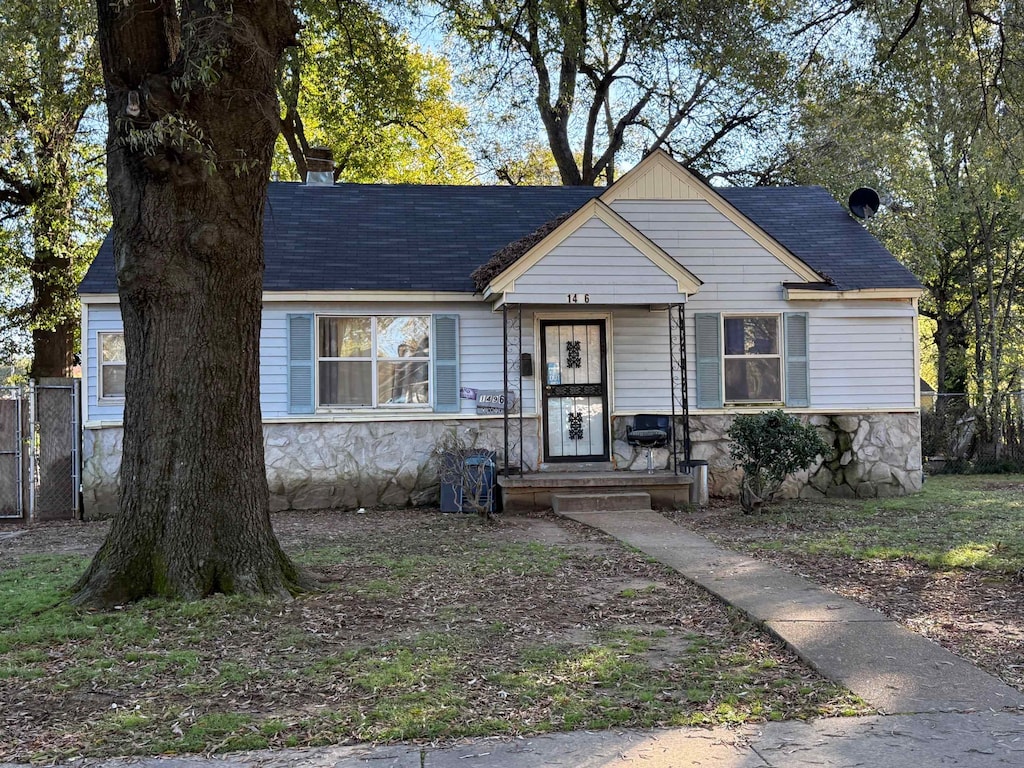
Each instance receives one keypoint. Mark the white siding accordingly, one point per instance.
(101, 318)
(481, 355)
(862, 361)
(597, 263)
(737, 272)
(861, 352)
(480, 349)
(860, 357)
(640, 352)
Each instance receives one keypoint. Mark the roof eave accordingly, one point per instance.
(800, 292)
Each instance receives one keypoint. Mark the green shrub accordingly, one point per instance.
(769, 447)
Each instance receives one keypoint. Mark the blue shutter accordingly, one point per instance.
(708, 330)
(301, 362)
(798, 390)
(445, 345)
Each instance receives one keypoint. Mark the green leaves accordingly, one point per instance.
(50, 183)
(769, 447)
(360, 86)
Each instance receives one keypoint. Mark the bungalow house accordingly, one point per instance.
(539, 322)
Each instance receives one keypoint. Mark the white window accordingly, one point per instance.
(373, 362)
(112, 366)
(752, 359)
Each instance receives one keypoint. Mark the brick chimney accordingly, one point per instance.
(320, 166)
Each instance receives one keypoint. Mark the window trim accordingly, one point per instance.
(780, 356)
(101, 396)
(374, 361)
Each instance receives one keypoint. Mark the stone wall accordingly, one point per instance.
(874, 454)
(323, 465)
(374, 464)
(101, 469)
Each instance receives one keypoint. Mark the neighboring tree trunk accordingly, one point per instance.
(187, 202)
(52, 355)
(55, 308)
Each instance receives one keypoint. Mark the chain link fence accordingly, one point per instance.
(958, 437)
(39, 451)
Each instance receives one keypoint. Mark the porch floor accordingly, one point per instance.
(532, 491)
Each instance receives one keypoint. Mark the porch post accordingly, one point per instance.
(684, 389)
(519, 368)
(672, 385)
(512, 344)
(504, 368)
(680, 389)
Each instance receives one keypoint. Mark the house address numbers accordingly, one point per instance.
(574, 298)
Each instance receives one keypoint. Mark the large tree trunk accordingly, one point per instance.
(194, 512)
(55, 307)
(52, 354)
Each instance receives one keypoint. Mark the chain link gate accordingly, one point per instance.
(40, 470)
(13, 459)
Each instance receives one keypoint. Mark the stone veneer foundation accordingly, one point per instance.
(874, 454)
(325, 465)
(320, 465)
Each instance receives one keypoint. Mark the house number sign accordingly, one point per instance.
(493, 401)
(576, 298)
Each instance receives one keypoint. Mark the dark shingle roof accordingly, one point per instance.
(398, 237)
(819, 231)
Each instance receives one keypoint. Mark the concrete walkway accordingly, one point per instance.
(946, 711)
(890, 667)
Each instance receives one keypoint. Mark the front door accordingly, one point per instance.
(575, 398)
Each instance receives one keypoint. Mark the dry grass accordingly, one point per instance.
(430, 628)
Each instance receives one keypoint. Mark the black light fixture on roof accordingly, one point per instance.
(864, 202)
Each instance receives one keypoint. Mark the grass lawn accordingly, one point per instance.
(956, 521)
(429, 627)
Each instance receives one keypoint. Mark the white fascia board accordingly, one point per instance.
(807, 294)
(369, 296)
(99, 298)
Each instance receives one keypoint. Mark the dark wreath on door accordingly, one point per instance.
(575, 400)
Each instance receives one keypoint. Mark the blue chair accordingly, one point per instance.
(649, 431)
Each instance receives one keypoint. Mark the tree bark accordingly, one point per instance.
(194, 509)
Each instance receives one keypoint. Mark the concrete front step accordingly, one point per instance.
(600, 502)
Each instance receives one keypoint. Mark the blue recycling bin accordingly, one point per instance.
(477, 474)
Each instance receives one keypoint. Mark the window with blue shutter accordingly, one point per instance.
(446, 364)
(798, 390)
(300, 364)
(707, 327)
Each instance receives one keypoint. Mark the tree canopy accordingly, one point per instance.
(357, 85)
(609, 78)
(51, 209)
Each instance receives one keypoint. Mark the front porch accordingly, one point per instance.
(533, 491)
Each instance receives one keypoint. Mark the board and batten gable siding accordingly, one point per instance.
(481, 359)
(597, 263)
(101, 318)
